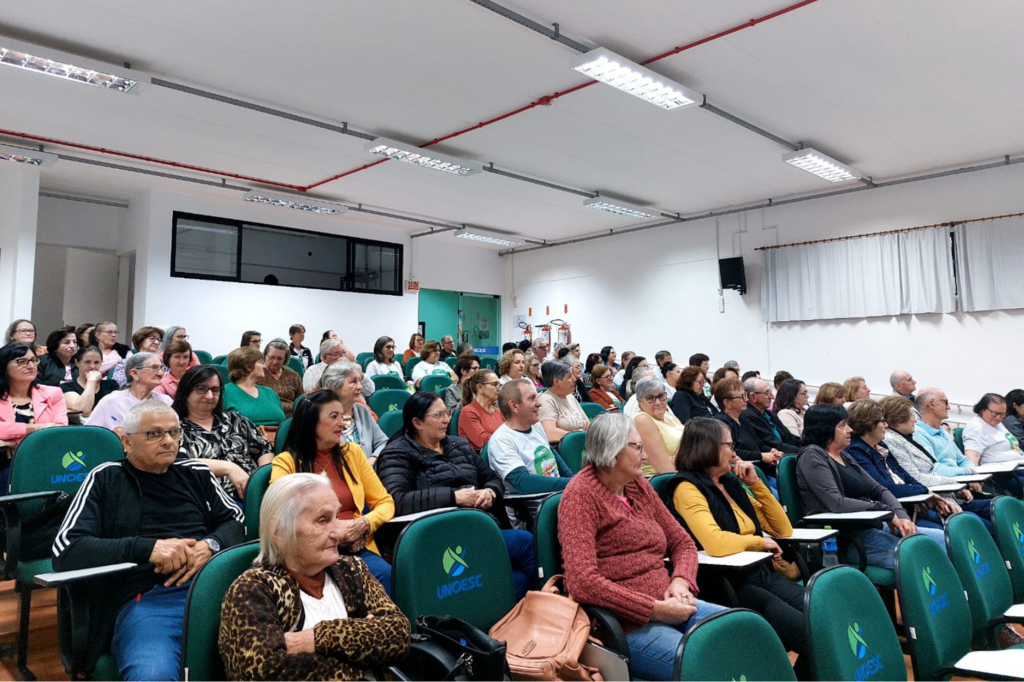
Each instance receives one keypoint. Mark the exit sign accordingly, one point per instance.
(412, 285)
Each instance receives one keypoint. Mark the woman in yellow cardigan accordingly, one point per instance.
(314, 446)
(710, 496)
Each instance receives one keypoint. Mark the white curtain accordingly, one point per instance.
(989, 256)
(839, 279)
(926, 271)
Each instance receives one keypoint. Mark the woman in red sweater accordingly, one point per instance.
(615, 534)
(480, 416)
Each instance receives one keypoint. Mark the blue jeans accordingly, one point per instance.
(147, 634)
(652, 647)
(880, 546)
(519, 544)
(934, 532)
(380, 569)
(983, 510)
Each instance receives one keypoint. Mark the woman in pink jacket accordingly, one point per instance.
(25, 404)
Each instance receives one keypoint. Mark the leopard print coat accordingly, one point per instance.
(263, 604)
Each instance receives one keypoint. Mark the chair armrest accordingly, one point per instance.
(12, 526)
(25, 497)
(608, 629)
(60, 578)
(516, 497)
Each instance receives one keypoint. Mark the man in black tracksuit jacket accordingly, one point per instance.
(770, 432)
(168, 516)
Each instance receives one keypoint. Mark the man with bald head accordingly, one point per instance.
(904, 386)
(771, 434)
(928, 432)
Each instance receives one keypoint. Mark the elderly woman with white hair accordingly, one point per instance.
(560, 414)
(144, 371)
(615, 534)
(659, 428)
(304, 612)
(345, 379)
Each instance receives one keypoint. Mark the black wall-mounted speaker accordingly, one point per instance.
(731, 272)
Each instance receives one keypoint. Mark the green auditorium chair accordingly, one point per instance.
(958, 438)
(450, 361)
(592, 409)
(222, 370)
(453, 426)
(435, 384)
(984, 576)
(200, 655)
(254, 493)
(295, 364)
(453, 564)
(203, 357)
(364, 359)
(410, 364)
(934, 609)
(489, 363)
(660, 485)
(1008, 517)
(850, 635)
(48, 467)
(298, 401)
(390, 422)
(219, 360)
(764, 657)
(572, 449)
(388, 400)
(383, 382)
(282, 435)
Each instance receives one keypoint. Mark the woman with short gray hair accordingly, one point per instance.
(144, 371)
(660, 429)
(302, 597)
(344, 379)
(560, 413)
(615, 534)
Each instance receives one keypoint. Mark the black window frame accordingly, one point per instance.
(350, 254)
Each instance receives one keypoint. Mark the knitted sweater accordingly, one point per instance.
(614, 557)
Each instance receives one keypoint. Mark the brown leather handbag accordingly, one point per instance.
(545, 634)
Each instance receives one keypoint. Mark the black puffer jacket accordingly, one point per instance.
(420, 479)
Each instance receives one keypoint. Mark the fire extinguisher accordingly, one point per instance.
(545, 334)
(564, 335)
(527, 331)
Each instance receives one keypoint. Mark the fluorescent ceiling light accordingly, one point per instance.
(29, 156)
(49, 62)
(410, 153)
(623, 208)
(813, 161)
(300, 203)
(604, 65)
(488, 237)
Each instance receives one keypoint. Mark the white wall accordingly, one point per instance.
(48, 289)
(216, 313)
(79, 224)
(90, 288)
(19, 208)
(445, 262)
(659, 288)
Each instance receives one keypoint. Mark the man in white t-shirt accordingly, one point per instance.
(518, 451)
(987, 441)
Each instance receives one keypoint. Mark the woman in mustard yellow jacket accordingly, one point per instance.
(314, 446)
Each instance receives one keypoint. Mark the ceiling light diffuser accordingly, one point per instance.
(49, 62)
(299, 203)
(623, 208)
(604, 65)
(410, 153)
(488, 237)
(27, 156)
(813, 161)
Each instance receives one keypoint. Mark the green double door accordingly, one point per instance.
(467, 317)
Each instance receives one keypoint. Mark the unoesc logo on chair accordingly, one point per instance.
(454, 564)
(72, 462)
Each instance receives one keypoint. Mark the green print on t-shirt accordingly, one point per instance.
(544, 461)
(1014, 443)
(440, 371)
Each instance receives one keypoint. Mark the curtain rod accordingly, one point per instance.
(879, 234)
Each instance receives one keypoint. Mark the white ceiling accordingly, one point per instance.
(891, 88)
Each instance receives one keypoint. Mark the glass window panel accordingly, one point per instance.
(205, 249)
(302, 259)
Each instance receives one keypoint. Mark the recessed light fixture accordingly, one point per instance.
(604, 65)
(822, 165)
(300, 203)
(410, 153)
(488, 237)
(27, 156)
(49, 62)
(623, 208)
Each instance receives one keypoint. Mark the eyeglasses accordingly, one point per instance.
(153, 338)
(22, 363)
(25, 331)
(768, 392)
(157, 435)
(638, 446)
(181, 337)
(489, 383)
(474, 369)
(1000, 415)
(542, 347)
(803, 393)
(111, 332)
(651, 399)
(203, 390)
(734, 397)
(441, 414)
(153, 368)
(729, 444)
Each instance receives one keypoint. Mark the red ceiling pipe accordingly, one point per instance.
(548, 99)
(148, 159)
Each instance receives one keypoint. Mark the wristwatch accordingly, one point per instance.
(214, 545)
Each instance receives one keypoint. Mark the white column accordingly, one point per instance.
(19, 211)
